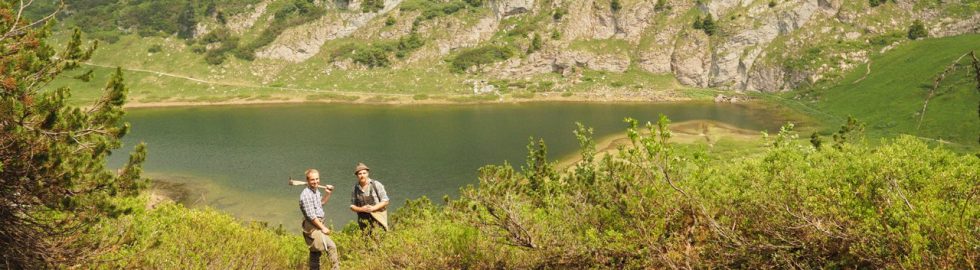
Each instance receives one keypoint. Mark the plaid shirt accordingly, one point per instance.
(309, 203)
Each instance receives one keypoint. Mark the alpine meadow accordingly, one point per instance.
(490, 134)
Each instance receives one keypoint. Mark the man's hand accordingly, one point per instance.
(362, 209)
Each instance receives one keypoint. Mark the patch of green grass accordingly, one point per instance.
(890, 99)
(151, 99)
(704, 94)
(149, 87)
(209, 99)
(523, 95)
(431, 9)
(602, 46)
(645, 80)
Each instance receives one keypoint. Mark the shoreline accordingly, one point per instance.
(687, 132)
(390, 99)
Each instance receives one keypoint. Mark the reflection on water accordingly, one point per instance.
(238, 159)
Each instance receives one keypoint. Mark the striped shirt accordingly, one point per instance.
(309, 203)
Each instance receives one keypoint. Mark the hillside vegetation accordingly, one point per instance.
(901, 204)
(845, 203)
(440, 47)
(891, 93)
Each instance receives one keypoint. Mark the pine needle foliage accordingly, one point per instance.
(54, 184)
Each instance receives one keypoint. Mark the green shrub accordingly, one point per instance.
(174, 237)
(198, 49)
(706, 24)
(536, 43)
(372, 5)
(793, 205)
(107, 36)
(885, 39)
(155, 48)
(390, 21)
(544, 86)
(214, 57)
(917, 30)
(376, 54)
(480, 56)
(371, 56)
(294, 13)
(431, 9)
(558, 14)
(408, 44)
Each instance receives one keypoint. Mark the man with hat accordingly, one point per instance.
(369, 200)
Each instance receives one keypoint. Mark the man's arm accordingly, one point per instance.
(382, 197)
(318, 224)
(308, 204)
(383, 200)
(328, 191)
(372, 208)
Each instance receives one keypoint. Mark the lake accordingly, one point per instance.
(238, 158)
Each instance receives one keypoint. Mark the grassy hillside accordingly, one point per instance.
(890, 98)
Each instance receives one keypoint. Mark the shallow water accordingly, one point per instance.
(238, 158)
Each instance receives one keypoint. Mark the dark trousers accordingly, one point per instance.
(315, 260)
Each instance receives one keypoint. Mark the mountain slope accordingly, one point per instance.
(890, 98)
(756, 45)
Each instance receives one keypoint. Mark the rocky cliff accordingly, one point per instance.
(755, 45)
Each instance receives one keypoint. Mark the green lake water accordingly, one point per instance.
(238, 158)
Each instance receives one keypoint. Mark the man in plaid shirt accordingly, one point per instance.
(314, 232)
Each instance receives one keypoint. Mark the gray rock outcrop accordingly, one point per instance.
(752, 43)
(691, 59)
(300, 43)
(241, 22)
(505, 8)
